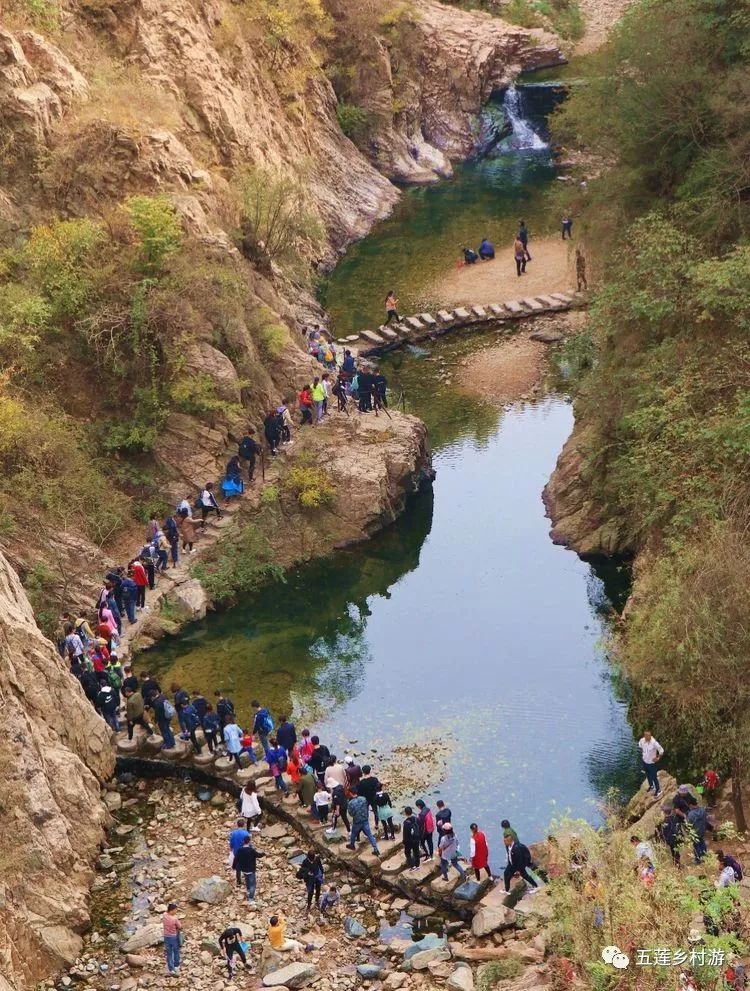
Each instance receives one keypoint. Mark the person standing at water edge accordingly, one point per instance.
(519, 861)
(651, 753)
(172, 928)
(519, 253)
(262, 724)
(410, 836)
(523, 237)
(442, 816)
(426, 829)
(390, 308)
(448, 851)
(479, 852)
(567, 226)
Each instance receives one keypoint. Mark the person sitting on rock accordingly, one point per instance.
(486, 250)
(470, 256)
(277, 936)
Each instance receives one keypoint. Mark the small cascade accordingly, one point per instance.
(524, 135)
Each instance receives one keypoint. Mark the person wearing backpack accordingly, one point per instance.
(277, 758)
(699, 822)
(108, 702)
(519, 861)
(172, 535)
(272, 431)
(188, 718)
(164, 713)
(249, 450)
(410, 838)
(426, 823)
(262, 724)
(224, 708)
(135, 712)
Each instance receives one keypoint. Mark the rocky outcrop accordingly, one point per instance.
(578, 521)
(54, 752)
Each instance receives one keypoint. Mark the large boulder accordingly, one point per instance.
(462, 979)
(429, 942)
(490, 920)
(422, 960)
(353, 928)
(295, 975)
(211, 890)
(150, 935)
(191, 599)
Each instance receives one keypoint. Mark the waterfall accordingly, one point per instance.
(524, 135)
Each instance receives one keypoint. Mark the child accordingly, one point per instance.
(385, 813)
(330, 900)
(322, 801)
(247, 747)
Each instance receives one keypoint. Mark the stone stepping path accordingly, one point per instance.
(424, 326)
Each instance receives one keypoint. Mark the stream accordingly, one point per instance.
(459, 648)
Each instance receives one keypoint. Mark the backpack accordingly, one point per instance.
(169, 710)
(114, 676)
(282, 762)
(429, 822)
(265, 724)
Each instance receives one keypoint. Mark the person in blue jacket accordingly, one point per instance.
(262, 724)
(486, 250)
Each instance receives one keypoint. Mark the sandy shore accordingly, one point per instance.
(552, 269)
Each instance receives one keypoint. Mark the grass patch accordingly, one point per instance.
(239, 564)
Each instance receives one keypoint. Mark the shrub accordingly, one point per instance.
(352, 119)
(239, 564)
(490, 974)
(196, 394)
(157, 227)
(271, 335)
(311, 485)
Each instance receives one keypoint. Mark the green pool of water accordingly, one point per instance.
(460, 631)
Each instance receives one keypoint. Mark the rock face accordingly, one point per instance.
(54, 752)
(577, 521)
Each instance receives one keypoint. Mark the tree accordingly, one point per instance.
(689, 641)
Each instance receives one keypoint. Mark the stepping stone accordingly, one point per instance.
(479, 311)
(126, 746)
(441, 887)
(388, 334)
(225, 765)
(424, 872)
(274, 832)
(532, 304)
(462, 314)
(563, 297)
(513, 306)
(394, 865)
(414, 323)
(497, 309)
(428, 319)
(445, 316)
(352, 338)
(204, 759)
(418, 911)
(550, 301)
(343, 341)
(178, 752)
(386, 848)
(251, 773)
(402, 330)
(468, 891)
(372, 338)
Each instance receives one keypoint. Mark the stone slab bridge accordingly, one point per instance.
(143, 757)
(425, 326)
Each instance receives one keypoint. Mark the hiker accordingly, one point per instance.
(180, 698)
(651, 753)
(306, 789)
(643, 849)
(671, 831)
(135, 711)
(304, 398)
(278, 759)
(523, 237)
(249, 449)
(508, 831)
(519, 253)
(285, 421)
(245, 862)
(186, 528)
(725, 860)
(311, 872)
(108, 702)
(369, 786)
(353, 774)
(212, 729)
(385, 813)
(379, 390)
(470, 257)
(479, 853)
(390, 308)
(262, 724)
(208, 503)
(190, 722)
(366, 384)
(272, 431)
(286, 734)
(442, 816)
(172, 929)
(233, 485)
(164, 713)
(410, 838)
(237, 838)
(129, 591)
(358, 809)
(319, 759)
(348, 365)
(710, 787)
(150, 688)
(74, 648)
(232, 739)
(318, 398)
(277, 936)
(699, 822)
(129, 679)
(519, 861)
(426, 822)
(486, 250)
(250, 806)
(224, 708)
(230, 942)
(172, 534)
(567, 226)
(581, 270)
(448, 852)
(330, 900)
(322, 800)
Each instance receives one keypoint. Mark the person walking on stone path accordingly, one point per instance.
(224, 708)
(230, 942)
(410, 838)
(250, 450)
(250, 806)
(369, 786)
(307, 788)
(519, 253)
(172, 535)
(130, 680)
(318, 398)
(190, 722)
(305, 401)
(523, 237)
(442, 816)
(187, 531)
(448, 852)
(278, 759)
(567, 227)
(129, 591)
(385, 813)
(319, 759)
(172, 929)
(339, 806)
(581, 270)
(212, 729)
(312, 873)
(246, 861)
(479, 853)
(237, 838)
(262, 724)
(426, 822)
(150, 688)
(353, 774)
(208, 503)
(699, 823)
(108, 702)
(164, 713)
(651, 753)
(322, 799)
(391, 312)
(519, 861)
(135, 712)
(286, 734)
(233, 740)
(359, 811)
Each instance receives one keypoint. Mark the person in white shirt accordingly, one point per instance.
(185, 506)
(651, 752)
(643, 849)
(322, 804)
(726, 878)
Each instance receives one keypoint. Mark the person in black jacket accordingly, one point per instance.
(410, 834)
(311, 872)
(286, 734)
(245, 861)
(319, 758)
(231, 942)
(224, 708)
(368, 787)
(519, 861)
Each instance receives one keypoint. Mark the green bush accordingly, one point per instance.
(352, 119)
(196, 394)
(311, 485)
(239, 564)
(491, 974)
(157, 227)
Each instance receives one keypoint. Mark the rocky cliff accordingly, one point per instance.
(54, 752)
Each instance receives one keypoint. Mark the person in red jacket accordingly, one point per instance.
(138, 573)
(480, 854)
(304, 398)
